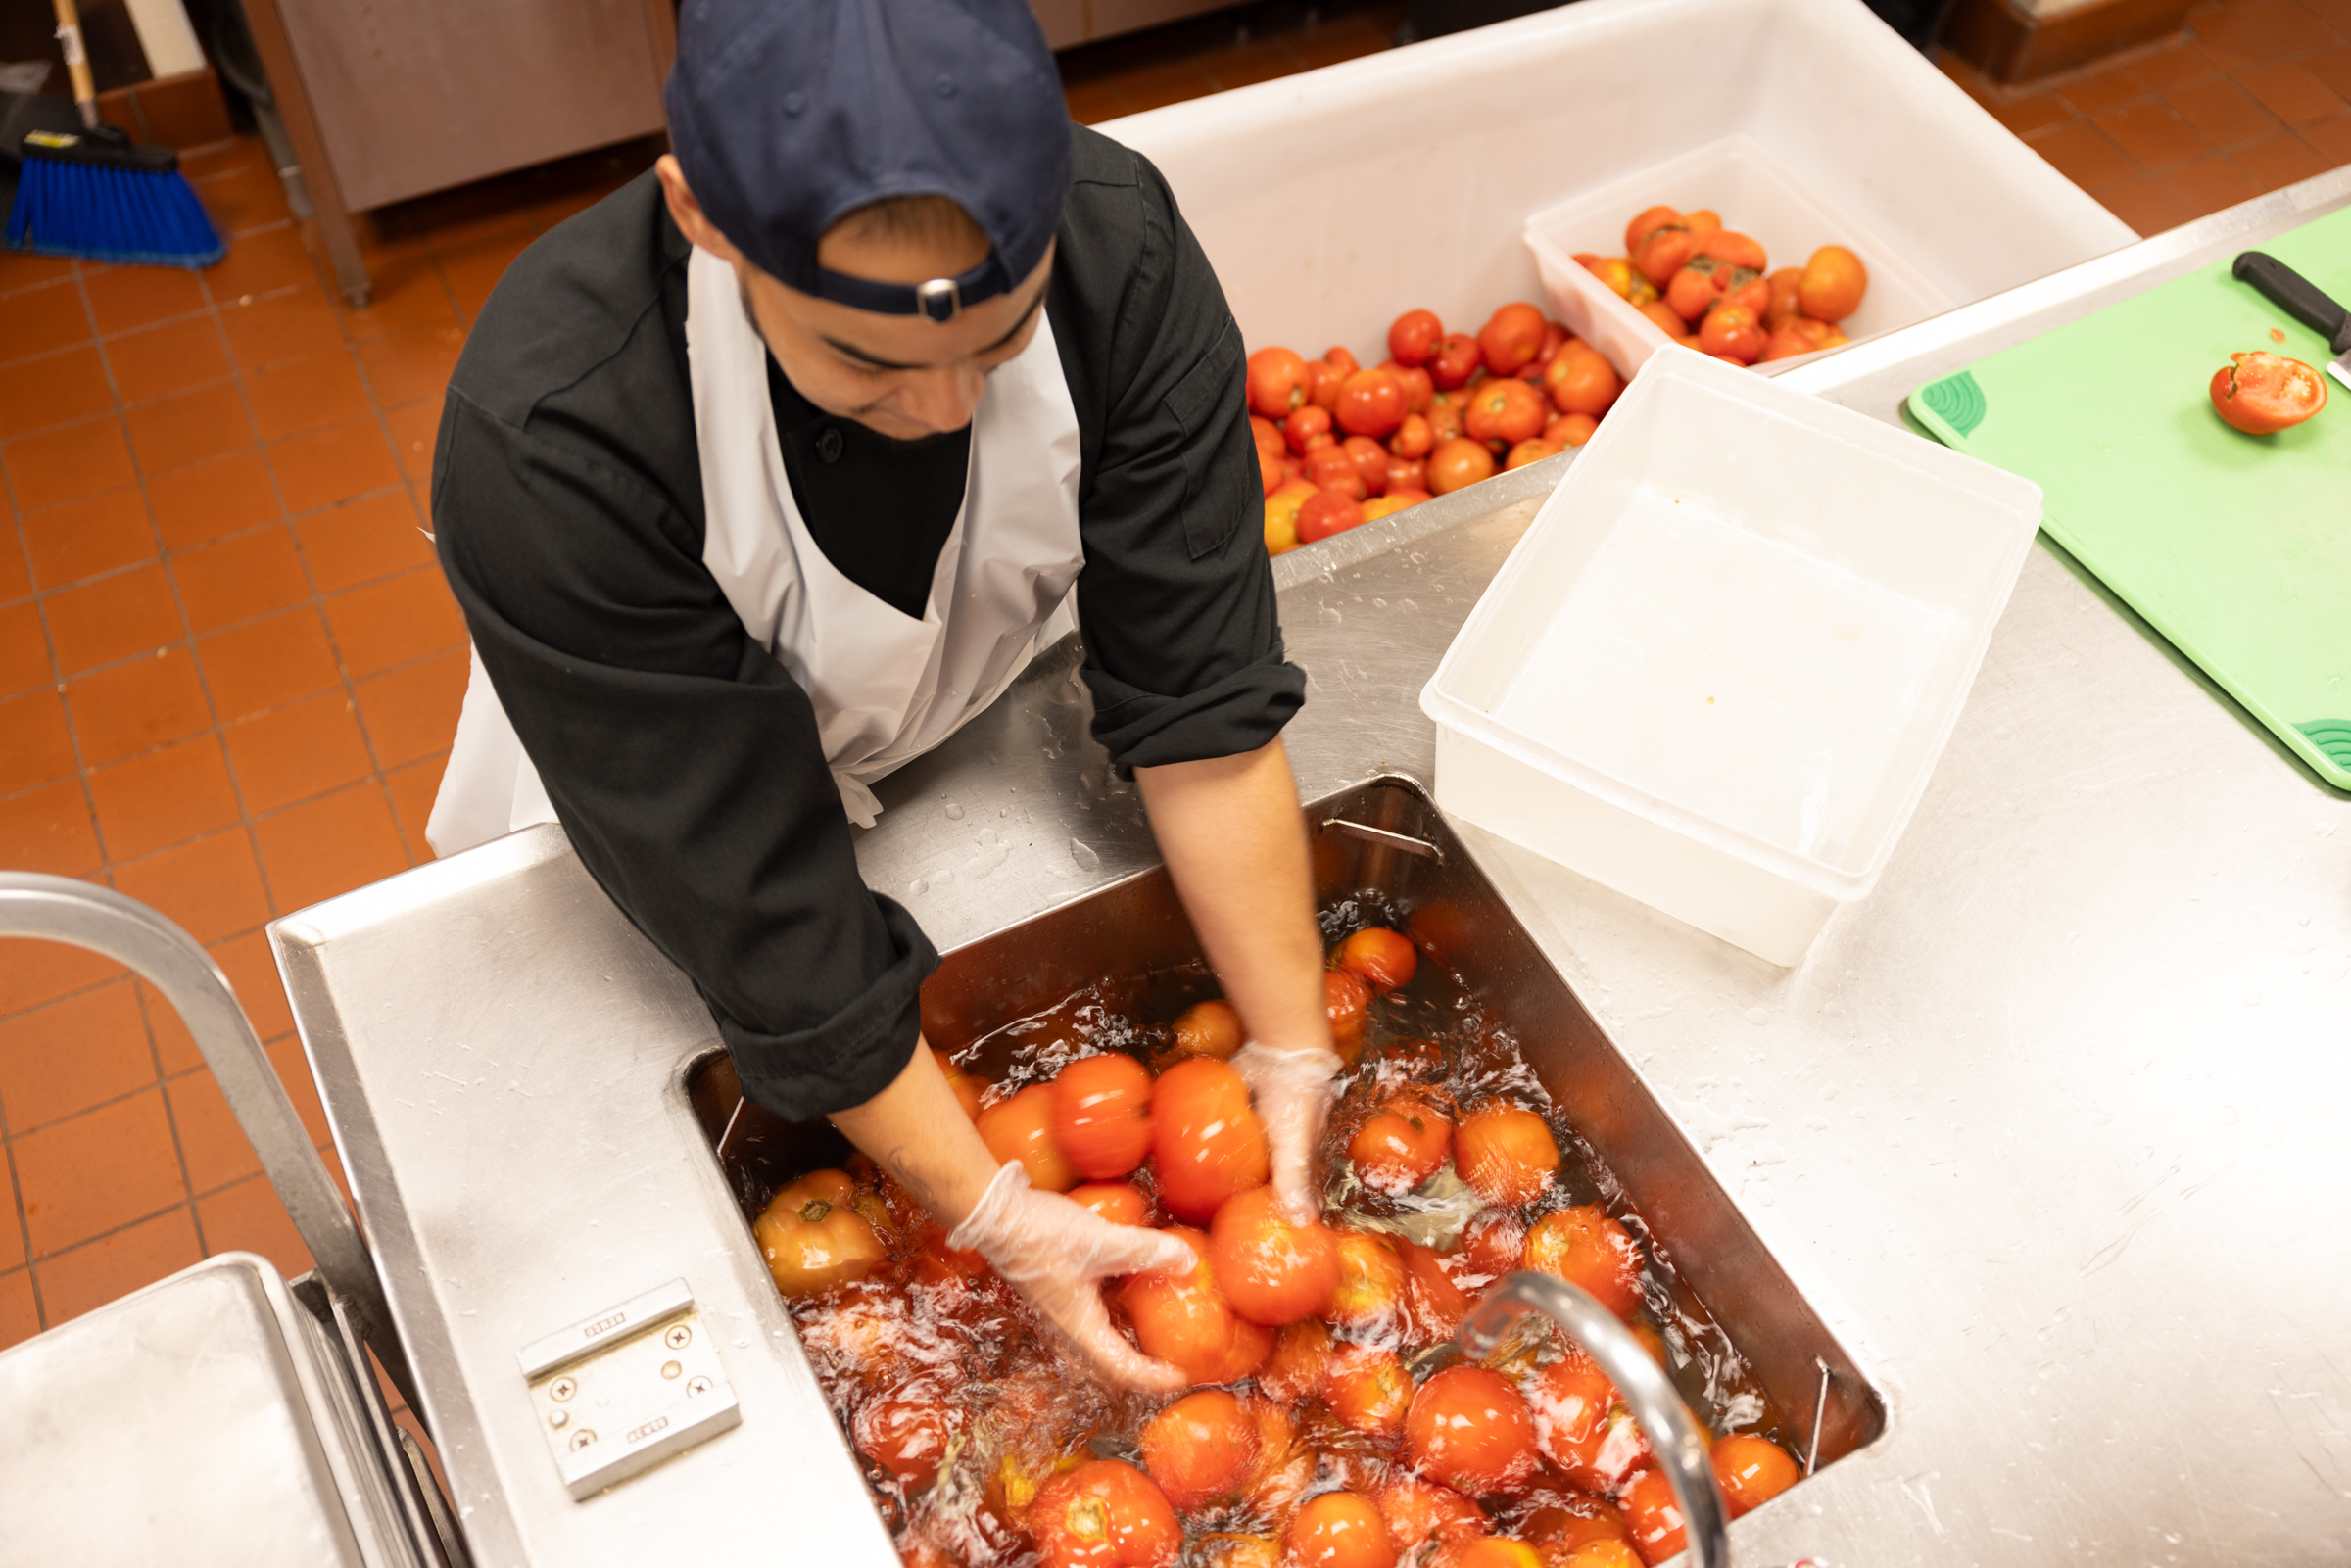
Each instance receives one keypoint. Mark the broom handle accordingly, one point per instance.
(77, 61)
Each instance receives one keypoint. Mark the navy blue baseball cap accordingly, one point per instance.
(787, 116)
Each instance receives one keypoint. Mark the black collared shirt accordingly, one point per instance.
(682, 758)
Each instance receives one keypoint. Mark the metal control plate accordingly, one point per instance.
(627, 1388)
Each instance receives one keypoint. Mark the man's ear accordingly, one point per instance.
(688, 213)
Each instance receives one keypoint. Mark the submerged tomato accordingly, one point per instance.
(1102, 1114)
(1417, 1511)
(1210, 1028)
(1338, 1529)
(1653, 1516)
(1369, 1287)
(1585, 1247)
(1022, 1129)
(1200, 1448)
(1470, 1429)
(1105, 1514)
(1300, 1359)
(2263, 393)
(1399, 1146)
(1122, 1203)
(1271, 1271)
(1208, 1143)
(1182, 1318)
(1751, 1471)
(906, 1430)
(1349, 1001)
(1506, 1153)
(1369, 1390)
(812, 1239)
(1380, 958)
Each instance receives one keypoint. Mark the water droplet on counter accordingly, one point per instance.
(1331, 613)
(1833, 1007)
(954, 811)
(1084, 856)
(918, 887)
(1379, 603)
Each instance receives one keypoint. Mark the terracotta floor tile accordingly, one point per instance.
(294, 1072)
(258, 263)
(163, 797)
(2033, 112)
(2100, 91)
(216, 1149)
(73, 1055)
(85, 537)
(244, 199)
(412, 712)
(407, 292)
(16, 582)
(33, 972)
(410, 363)
(2330, 139)
(2332, 69)
(136, 706)
(414, 428)
(54, 389)
(114, 1265)
(62, 466)
(98, 1172)
(2153, 134)
(2169, 68)
(191, 427)
(20, 1313)
(369, 538)
(239, 578)
(156, 362)
(113, 618)
(298, 395)
(21, 271)
(267, 662)
(248, 1217)
(333, 464)
(225, 496)
(251, 974)
(126, 296)
(210, 887)
(47, 829)
(472, 271)
(281, 327)
(394, 621)
(2262, 29)
(2211, 185)
(330, 845)
(42, 320)
(36, 744)
(414, 789)
(23, 649)
(12, 1232)
(2225, 113)
(241, 152)
(2279, 160)
(2290, 92)
(294, 753)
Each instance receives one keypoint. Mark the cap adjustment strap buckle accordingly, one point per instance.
(941, 299)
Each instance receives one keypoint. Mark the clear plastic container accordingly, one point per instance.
(1719, 668)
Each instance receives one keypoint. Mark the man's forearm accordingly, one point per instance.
(917, 1131)
(1235, 843)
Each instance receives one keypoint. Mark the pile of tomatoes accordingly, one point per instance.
(1711, 289)
(1323, 1427)
(1338, 445)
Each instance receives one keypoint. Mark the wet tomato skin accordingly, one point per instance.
(1369, 1287)
(1751, 1471)
(1399, 1146)
(1022, 1129)
(1182, 1318)
(1300, 1361)
(2263, 393)
(1200, 1448)
(1122, 1203)
(1380, 958)
(1471, 1429)
(1349, 1003)
(1369, 1390)
(1338, 1529)
(1271, 1271)
(1585, 1247)
(1506, 1153)
(1419, 1510)
(813, 1239)
(1102, 1114)
(1653, 1516)
(1104, 1514)
(1207, 1141)
(1210, 1028)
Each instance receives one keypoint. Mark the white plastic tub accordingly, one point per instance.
(1719, 668)
(1332, 201)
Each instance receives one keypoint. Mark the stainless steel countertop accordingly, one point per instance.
(2040, 1127)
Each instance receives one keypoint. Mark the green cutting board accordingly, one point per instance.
(2237, 548)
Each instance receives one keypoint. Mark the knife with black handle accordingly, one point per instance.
(2302, 300)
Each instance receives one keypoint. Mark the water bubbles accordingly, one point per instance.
(954, 811)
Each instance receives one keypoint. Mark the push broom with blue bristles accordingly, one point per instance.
(93, 195)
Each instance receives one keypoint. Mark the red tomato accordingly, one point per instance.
(1510, 337)
(1832, 284)
(1456, 361)
(1328, 512)
(1399, 1146)
(1580, 380)
(1276, 382)
(1341, 361)
(1271, 1271)
(1664, 319)
(1645, 222)
(1338, 1529)
(1417, 1511)
(1495, 1243)
(1300, 1359)
(1184, 1319)
(1102, 1114)
(813, 1239)
(1664, 253)
(1271, 471)
(906, 1430)
(1733, 331)
(1571, 429)
(1370, 460)
(1444, 415)
(1572, 1398)
(1349, 1001)
(1413, 438)
(1691, 292)
(1533, 449)
(1022, 1129)
(1471, 1430)
(1418, 386)
(1494, 1552)
(1407, 479)
(1755, 295)
(1751, 1471)
(1104, 1514)
(1585, 1247)
(1208, 1143)
(1336, 468)
(1781, 290)
(1415, 336)
(1369, 1288)
(1506, 1153)
(1504, 409)
(1323, 381)
(2261, 393)
(1555, 338)
(1210, 1028)
(968, 1090)
(1122, 1203)
(1380, 958)
(1457, 464)
(1369, 1390)
(1654, 1516)
(1306, 429)
(1434, 1304)
(1371, 403)
(1735, 250)
(1200, 1448)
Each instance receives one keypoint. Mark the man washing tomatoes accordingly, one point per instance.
(764, 475)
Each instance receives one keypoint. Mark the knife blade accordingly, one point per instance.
(2302, 300)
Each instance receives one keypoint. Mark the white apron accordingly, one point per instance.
(885, 687)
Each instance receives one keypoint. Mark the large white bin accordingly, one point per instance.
(1332, 201)
(1719, 668)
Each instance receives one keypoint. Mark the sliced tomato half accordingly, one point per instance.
(2261, 393)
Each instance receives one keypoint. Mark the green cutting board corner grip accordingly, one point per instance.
(2236, 547)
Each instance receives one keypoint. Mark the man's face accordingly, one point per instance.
(904, 376)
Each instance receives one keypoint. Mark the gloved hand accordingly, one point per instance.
(1054, 1250)
(1294, 1091)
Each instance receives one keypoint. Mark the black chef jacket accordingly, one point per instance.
(681, 757)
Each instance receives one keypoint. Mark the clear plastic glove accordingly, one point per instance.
(1294, 1091)
(1054, 1252)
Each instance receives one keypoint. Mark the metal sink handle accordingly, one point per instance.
(1679, 1444)
(59, 909)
